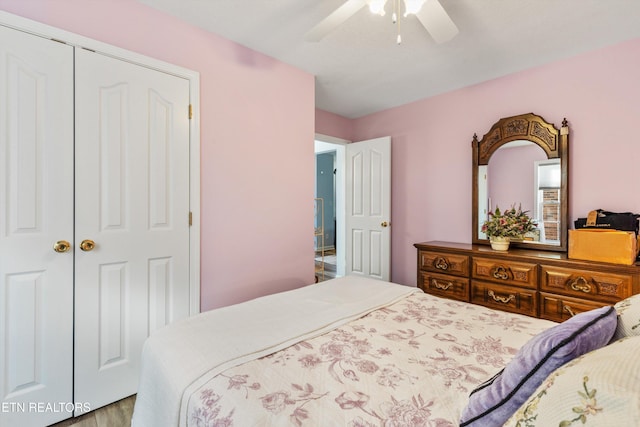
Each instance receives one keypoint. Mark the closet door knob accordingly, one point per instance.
(385, 224)
(62, 246)
(87, 245)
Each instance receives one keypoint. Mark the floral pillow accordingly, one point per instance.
(601, 388)
(628, 317)
(494, 401)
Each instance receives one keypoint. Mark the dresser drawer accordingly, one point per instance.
(587, 284)
(506, 298)
(506, 272)
(444, 263)
(560, 308)
(445, 286)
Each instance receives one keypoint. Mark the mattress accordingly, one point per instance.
(346, 352)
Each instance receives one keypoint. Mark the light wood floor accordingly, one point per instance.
(117, 414)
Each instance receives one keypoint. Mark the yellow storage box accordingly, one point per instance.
(618, 247)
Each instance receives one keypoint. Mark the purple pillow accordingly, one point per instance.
(494, 401)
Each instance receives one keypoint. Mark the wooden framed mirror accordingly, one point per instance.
(524, 160)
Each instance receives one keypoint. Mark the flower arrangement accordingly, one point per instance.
(511, 223)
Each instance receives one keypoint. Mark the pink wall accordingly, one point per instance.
(334, 125)
(257, 213)
(597, 92)
(511, 175)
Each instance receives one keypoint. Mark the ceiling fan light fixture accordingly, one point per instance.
(377, 6)
(411, 7)
(430, 14)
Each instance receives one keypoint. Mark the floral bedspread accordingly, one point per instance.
(412, 363)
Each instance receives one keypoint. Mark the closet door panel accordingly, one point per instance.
(36, 211)
(132, 192)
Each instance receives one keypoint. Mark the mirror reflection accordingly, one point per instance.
(519, 173)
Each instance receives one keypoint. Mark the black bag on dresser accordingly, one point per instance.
(625, 221)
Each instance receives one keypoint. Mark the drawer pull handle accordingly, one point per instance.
(580, 284)
(568, 310)
(504, 300)
(440, 285)
(441, 264)
(501, 273)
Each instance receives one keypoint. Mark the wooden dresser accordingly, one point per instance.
(536, 283)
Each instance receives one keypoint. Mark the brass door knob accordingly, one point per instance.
(87, 245)
(385, 224)
(62, 246)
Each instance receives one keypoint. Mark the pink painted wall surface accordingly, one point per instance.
(334, 125)
(597, 92)
(256, 113)
(511, 176)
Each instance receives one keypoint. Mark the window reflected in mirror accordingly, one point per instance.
(547, 204)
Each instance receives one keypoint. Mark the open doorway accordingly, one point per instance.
(361, 208)
(329, 242)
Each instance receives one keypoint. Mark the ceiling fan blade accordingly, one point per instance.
(437, 21)
(337, 17)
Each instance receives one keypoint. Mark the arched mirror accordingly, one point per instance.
(523, 161)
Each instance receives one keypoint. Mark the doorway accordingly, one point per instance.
(329, 242)
(362, 208)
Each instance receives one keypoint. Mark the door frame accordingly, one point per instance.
(49, 32)
(338, 145)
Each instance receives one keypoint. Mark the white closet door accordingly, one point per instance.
(132, 200)
(36, 210)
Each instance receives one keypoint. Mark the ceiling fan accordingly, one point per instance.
(430, 13)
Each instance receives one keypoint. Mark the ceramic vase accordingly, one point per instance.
(499, 243)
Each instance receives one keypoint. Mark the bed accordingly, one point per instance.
(360, 352)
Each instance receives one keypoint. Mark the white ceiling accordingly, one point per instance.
(360, 69)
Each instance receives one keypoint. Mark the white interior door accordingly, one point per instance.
(368, 206)
(36, 211)
(132, 200)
